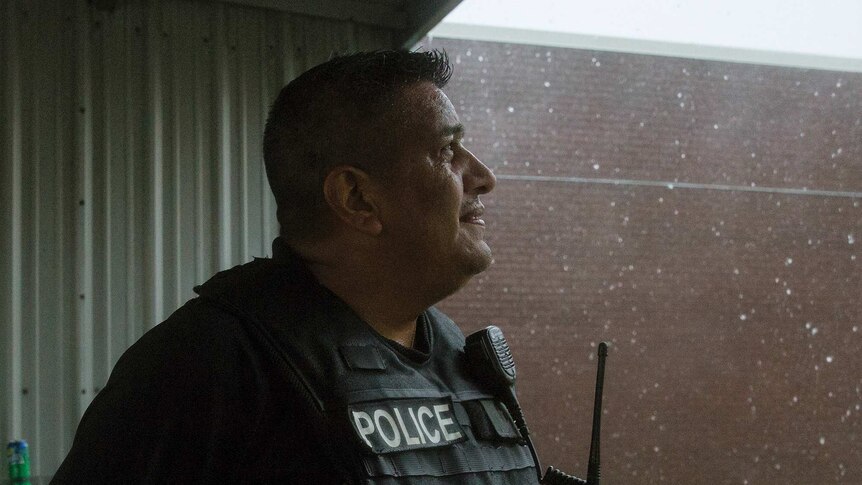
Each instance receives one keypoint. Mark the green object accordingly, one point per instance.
(18, 457)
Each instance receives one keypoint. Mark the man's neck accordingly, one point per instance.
(381, 302)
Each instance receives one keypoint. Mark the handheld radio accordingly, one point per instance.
(489, 354)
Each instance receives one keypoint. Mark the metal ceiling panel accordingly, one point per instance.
(382, 13)
(410, 20)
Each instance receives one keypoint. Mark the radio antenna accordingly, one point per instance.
(593, 468)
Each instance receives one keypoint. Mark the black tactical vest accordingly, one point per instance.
(386, 416)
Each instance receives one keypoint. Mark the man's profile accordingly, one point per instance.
(327, 363)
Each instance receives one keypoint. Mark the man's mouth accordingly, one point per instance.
(474, 216)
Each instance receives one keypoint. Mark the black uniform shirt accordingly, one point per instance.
(204, 397)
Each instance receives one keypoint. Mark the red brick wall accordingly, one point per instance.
(732, 305)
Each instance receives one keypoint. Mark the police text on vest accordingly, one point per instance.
(403, 424)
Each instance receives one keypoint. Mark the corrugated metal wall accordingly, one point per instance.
(131, 171)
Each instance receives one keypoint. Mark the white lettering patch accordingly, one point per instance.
(404, 424)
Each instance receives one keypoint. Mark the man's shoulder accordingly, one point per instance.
(192, 341)
(220, 327)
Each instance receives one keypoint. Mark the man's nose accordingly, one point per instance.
(479, 179)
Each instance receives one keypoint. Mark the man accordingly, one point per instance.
(326, 363)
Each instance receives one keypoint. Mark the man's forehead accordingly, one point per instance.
(426, 104)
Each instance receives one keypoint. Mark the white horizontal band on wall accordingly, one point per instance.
(647, 47)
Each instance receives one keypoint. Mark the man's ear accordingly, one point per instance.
(349, 192)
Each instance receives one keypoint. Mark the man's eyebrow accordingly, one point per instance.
(453, 130)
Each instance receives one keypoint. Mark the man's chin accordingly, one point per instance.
(478, 260)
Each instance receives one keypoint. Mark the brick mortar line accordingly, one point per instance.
(681, 185)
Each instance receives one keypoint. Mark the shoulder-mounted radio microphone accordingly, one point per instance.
(489, 354)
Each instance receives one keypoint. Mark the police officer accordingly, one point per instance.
(327, 363)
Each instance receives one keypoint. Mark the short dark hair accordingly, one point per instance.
(323, 118)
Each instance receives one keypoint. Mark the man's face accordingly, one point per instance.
(432, 221)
